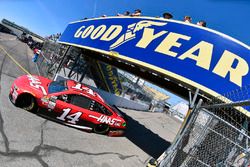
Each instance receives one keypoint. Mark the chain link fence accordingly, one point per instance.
(50, 57)
(210, 138)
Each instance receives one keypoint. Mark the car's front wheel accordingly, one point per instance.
(27, 102)
(101, 129)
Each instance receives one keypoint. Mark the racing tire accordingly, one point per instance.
(27, 102)
(101, 129)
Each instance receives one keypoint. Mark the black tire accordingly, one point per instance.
(27, 102)
(101, 129)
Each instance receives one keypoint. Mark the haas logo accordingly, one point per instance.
(132, 29)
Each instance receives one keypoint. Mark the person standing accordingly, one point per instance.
(36, 54)
(136, 13)
(202, 23)
(187, 19)
(127, 13)
(167, 16)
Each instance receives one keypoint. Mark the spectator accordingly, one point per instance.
(58, 35)
(36, 54)
(167, 16)
(54, 37)
(136, 13)
(187, 19)
(202, 23)
(127, 13)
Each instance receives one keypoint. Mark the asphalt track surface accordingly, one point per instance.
(27, 140)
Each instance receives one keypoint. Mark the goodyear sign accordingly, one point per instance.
(111, 78)
(200, 57)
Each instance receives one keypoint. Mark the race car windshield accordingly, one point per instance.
(57, 86)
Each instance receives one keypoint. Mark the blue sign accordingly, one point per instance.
(197, 56)
(111, 78)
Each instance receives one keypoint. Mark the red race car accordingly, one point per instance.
(67, 102)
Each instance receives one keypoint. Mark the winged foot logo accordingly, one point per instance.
(131, 32)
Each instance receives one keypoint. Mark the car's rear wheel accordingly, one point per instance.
(101, 129)
(27, 102)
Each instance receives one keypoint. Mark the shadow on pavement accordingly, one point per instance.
(144, 138)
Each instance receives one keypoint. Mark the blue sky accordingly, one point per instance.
(46, 17)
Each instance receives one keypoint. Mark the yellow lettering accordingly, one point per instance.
(111, 33)
(169, 42)
(79, 32)
(87, 31)
(203, 59)
(109, 67)
(148, 36)
(117, 92)
(98, 32)
(224, 66)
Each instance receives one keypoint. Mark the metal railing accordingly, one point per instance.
(51, 58)
(208, 139)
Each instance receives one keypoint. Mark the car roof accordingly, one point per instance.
(83, 90)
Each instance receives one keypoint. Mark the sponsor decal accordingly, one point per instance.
(14, 95)
(112, 80)
(70, 118)
(107, 120)
(87, 90)
(35, 82)
(45, 100)
(51, 105)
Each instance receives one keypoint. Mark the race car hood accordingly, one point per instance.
(36, 85)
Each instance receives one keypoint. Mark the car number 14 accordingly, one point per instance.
(71, 118)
